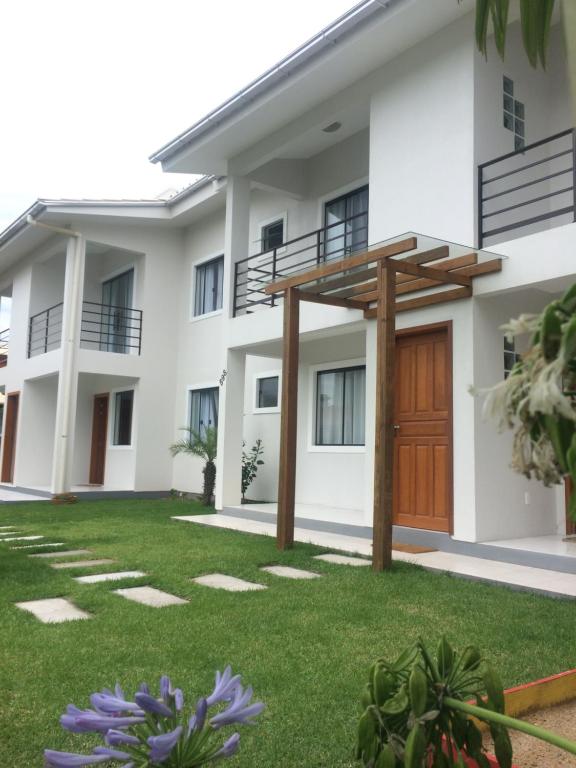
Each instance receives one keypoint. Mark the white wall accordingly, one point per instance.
(120, 460)
(35, 432)
(421, 141)
(507, 504)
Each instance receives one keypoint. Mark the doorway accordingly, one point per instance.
(423, 428)
(116, 312)
(99, 439)
(9, 437)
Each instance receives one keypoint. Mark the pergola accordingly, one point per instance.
(376, 282)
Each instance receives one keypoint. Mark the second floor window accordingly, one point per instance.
(347, 220)
(340, 406)
(209, 280)
(203, 409)
(272, 235)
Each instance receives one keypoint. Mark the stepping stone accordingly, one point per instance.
(23, 538)
(289, 573)
(80, 563)
(60, 552)
(343, 560)
(5, 527)
(151, 596)
(96, 578)
(37, 546)
(53, 610)
(229, 583)
(9, 533)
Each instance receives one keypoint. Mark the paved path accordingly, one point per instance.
(519, 576)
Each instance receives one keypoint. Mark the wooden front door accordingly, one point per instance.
(99, 439)
(423, 429)
(9, 437)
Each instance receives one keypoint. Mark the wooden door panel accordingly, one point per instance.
(99, 439)
(10, 433)
(422, 449)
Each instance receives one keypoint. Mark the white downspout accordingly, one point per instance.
(68, 377)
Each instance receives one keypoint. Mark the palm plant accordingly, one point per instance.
(535, 19)
(204, 446)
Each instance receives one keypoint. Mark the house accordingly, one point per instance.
(132, 318)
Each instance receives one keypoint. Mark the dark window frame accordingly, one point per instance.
(342, 369)
(267, 377)
(122, 432)
(266, 243)
(328, 233)
(201, 304)
(203, 391)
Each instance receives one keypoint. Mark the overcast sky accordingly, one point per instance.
(89, 89)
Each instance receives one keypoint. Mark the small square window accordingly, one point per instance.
(508, 103)
(519, 142)
(508, 85)
(267, 392)
(123, 405)
(508, 121)
(519, 127)
(272, 235)
(518, 109)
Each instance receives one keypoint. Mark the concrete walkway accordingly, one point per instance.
(524, 577)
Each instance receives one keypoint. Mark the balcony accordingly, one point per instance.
(333, 242)
(104, 327)
(528, 191)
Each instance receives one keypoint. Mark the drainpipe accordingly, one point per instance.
(68, 376)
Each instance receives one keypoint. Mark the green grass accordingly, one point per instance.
(305, 646)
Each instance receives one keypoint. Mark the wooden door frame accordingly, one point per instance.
(15, 393)
(92, 446)
(420, 330)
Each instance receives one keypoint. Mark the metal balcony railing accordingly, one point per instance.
(4, 339)
(253, 274)
(45, 331)
(104, 327)
(528, 190)
(111, 328)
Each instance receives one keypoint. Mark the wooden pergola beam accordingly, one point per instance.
(334, 301)
(441, 252)
(288, 420)
(442, 297)
(439, 275)
(343, 265)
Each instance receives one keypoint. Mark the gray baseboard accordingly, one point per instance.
(441, 541)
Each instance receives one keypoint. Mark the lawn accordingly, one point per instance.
(305, 646)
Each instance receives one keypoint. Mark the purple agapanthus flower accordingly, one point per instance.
(239, 711)
(149, 731)
(154, 706)
(224, 688)
(162, 745)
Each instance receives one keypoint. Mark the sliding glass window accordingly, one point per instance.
(341, 406)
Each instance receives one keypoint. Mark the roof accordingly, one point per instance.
(43, 205)
(328, 37)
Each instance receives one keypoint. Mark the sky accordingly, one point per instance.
(90, 88)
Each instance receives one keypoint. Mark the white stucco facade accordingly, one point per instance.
(416, 117)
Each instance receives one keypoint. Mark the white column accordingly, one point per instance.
(370, 426)
(68, 377)
(230, 432)
(236, 235)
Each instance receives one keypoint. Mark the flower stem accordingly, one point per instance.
(511, 722)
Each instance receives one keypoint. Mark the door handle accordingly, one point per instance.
(396, 428)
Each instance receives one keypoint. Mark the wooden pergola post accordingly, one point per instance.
(288, 420)
(384, 446)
